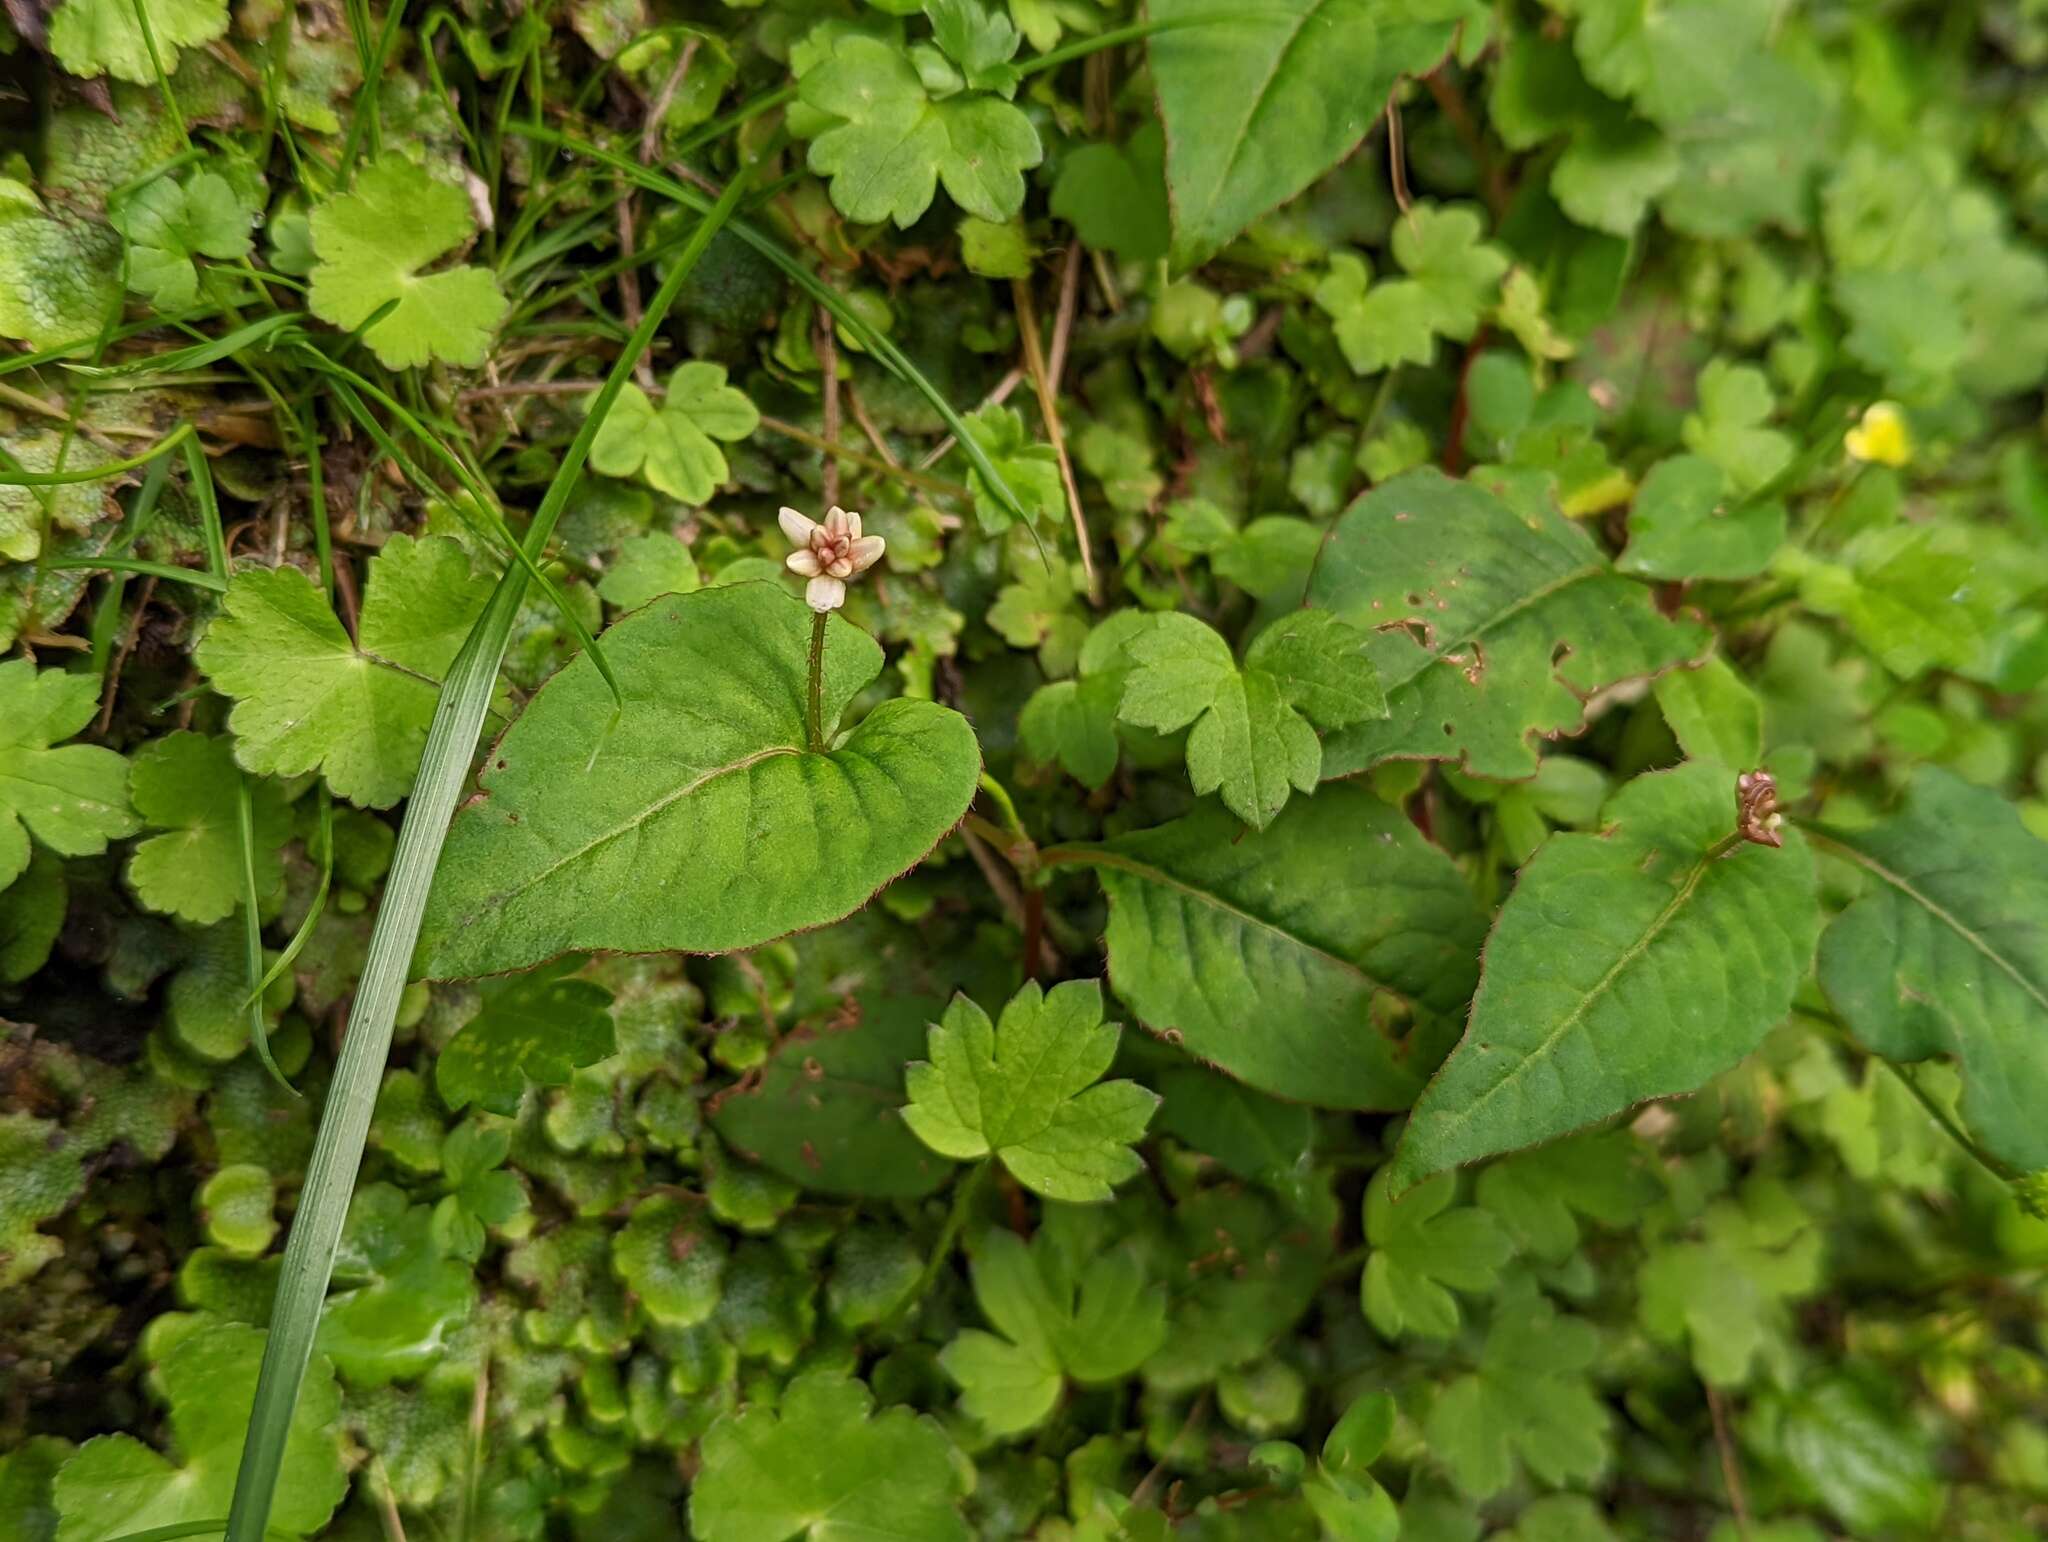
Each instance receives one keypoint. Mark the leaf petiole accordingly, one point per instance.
(965, 1192)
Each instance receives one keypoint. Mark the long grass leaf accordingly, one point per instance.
(823, 294)
(170, 441)
(252, 932)
(201, 472)
(192, 576)
(352, 1097)
(313, 911)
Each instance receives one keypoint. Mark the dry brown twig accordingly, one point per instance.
(1048, 408)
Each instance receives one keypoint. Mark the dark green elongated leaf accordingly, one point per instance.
(1261, 97)
(1946, 953)
(1494, 623)
(1626, 965)
(1258, 1138)
(1262, 951)
(825, 1112)
(701, 822)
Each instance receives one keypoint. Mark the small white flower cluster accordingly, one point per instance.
(828, 553)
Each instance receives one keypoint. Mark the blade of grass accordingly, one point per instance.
(106, 616)
(252, 932)
(444, 769)
(305, 932)
(207, 581)
(156, 65)
(493, 529)
(316, 490)
(195, 356)
(170, 441)
(821, 293)
(201, 472)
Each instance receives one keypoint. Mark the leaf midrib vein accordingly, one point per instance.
(1151, 874)
(1600, 987)
(505, 896)
(1500, 618)
(1258, 100)
(1941, 913)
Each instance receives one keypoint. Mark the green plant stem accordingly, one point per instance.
(1003, 801)
(1136, 32)
(156, 65)
(170, 441)
(964, 1195)
(815, 718)
(252, 933)
(444, 770)
(210, 582)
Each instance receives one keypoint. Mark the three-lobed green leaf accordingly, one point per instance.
(116, 1485)
(71, 798)
(822, 1465)
(187, 787)
(1254, 730)
(1422, 1250)
(675, 446)
(1028, 1092)
(1056, 1319)
(307, 698)
(375, 244)
(891, 143)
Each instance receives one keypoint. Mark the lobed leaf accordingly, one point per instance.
(306, 698)
(1026, 1090)
(822, 1465)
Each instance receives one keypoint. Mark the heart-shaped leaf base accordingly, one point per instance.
(701, 823)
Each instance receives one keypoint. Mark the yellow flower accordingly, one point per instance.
(1882, 437)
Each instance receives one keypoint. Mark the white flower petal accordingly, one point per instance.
(825, 593)
(804, 562)
(835, 523)
(852, 524)
(797, 527)
(866, 552)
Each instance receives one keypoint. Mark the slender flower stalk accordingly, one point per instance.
(828, 553)
(815, 720)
